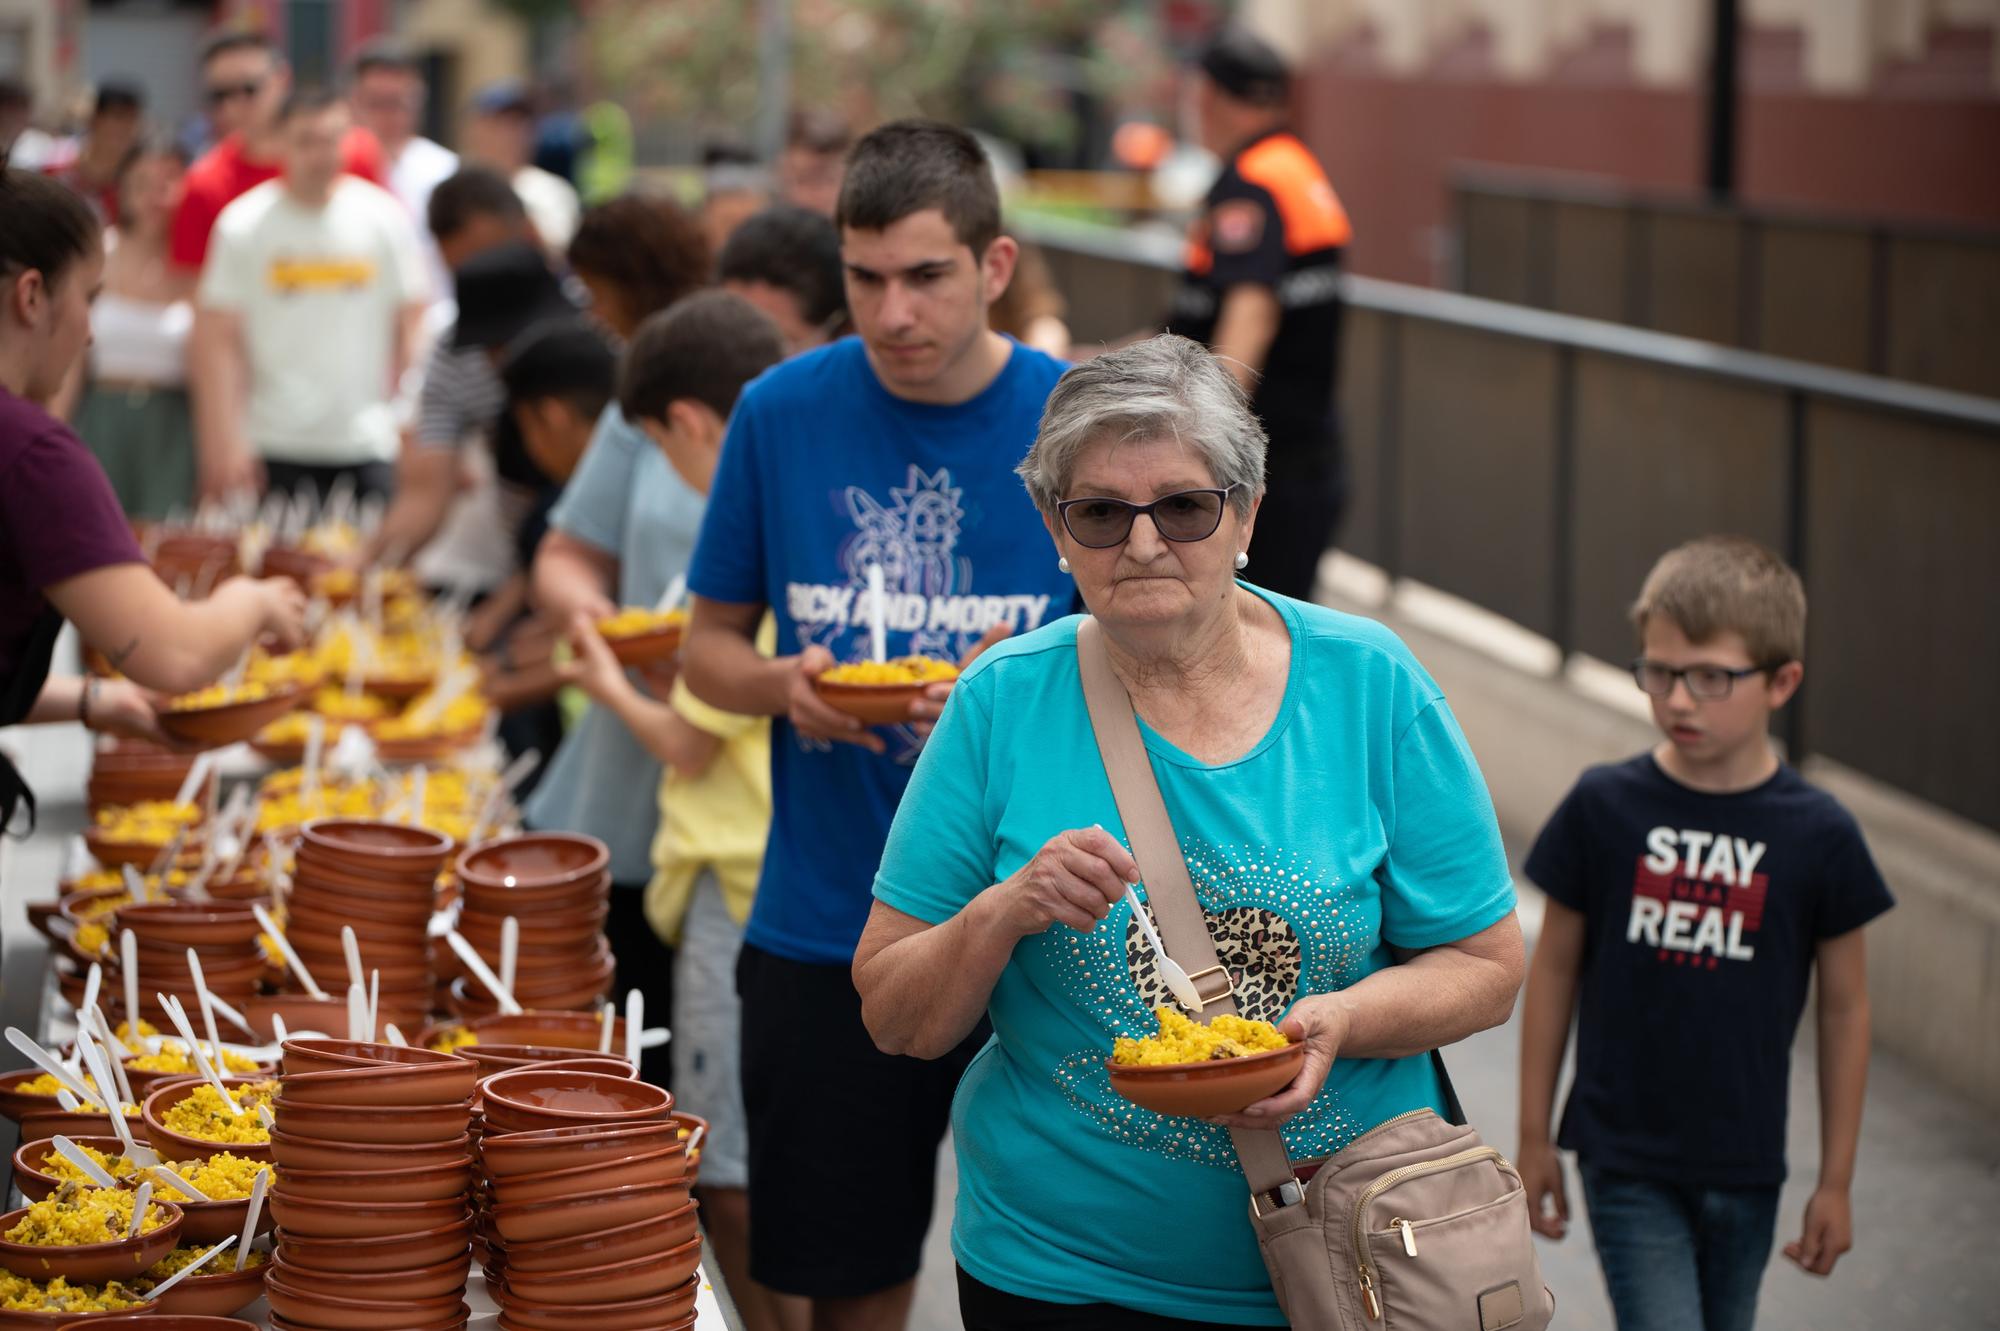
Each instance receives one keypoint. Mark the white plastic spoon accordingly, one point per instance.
(135, 883)
(93, 980)
(173, 1180)
(278, 1032)
(207, 1004)
(191, 1268)
(374, 1002)
(1177, 980)
(139, 1205)
(510, 950)
(178, 1015)
(93, 1058)
(48, 1063)
(605, 1027)
(169, 856)
(250, 1216)
(352, 947)
(89, 1168)
(285, 947)
(128, 948)
(671, 597)
(635, 1022)
(394, 1036)
(94, 1019)
(357, 1013)
(489, 808)
(197, 773)
(878, 615)
(469, 954)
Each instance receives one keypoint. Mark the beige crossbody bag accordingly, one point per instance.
(1416, 1225)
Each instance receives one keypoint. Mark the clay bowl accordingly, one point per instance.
(588, 1212)
(493, 1058)
(317, 1308)
(387, 1084)
(637, 649)
(178, 1146)
(416, 1284)
(874, 704)
(116, 854)
(294, 1151)
(672, 1311)
(550, 934)
(315, 1217)
(302, 1012)
(30, 1163)
(410, 970)
(663, 1166)
(529, 1098)
(428, 1183)
(11, 1318)
(375, 847)
(162, 1322)
(174, 925)
(374, 1124)
(230, 722)
(301, 566)
(19, 1105)
(638, 1278)
(314, 1055)
(90, 1263)
(507, 1154)
(316, 913)
(405, 913)
(642, 1238)
(533, 860)
(55, 1119)
(202, 1302)
(1204, 1090)
(530, 900)
(212, 1222)
(563, 1030)
(375, 877)
(399, 688)
(455, 1321)
(396, 1252)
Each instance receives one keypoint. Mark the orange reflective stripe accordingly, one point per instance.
(1313, 216)
(1197, 258)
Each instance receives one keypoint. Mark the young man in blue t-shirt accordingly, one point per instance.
(1692, 891)
(891, 451)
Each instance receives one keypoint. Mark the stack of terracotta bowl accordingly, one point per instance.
(380, 879)
(132, 772)
(558, 886)
(589, 1219)
(222, 933)
(374, 1175)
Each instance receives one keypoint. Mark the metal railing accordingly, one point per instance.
(1906, 300)
(1536, 464)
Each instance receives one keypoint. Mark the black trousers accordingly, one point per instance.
(646, 964)
(984, 1308)
(370, 479)
(1304, 495)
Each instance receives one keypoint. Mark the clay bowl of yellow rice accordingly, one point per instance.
(39, 1171)
(223, 714)
(880, 692)
(47, 1304)
(1196, 1071)
(67, 1235)
(638, 636)
(216, 1292)
(185, 1120)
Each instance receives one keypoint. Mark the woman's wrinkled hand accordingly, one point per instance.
(1320, 1023)
(1074, 879)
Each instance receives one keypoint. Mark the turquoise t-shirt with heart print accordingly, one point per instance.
(1358, 822)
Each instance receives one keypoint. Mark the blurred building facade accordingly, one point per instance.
(1882, 108)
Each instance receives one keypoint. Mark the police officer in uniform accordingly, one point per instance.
(1261, 289)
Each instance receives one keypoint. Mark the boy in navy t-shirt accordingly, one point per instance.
(886, 455)
(1691, 892)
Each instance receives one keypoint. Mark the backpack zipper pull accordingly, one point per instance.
(1409, 1236)
(1369, 1303)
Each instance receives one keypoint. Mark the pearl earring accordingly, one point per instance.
(1242, 560)
(1063, 564)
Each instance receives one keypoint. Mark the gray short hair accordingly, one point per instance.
(1166, 386)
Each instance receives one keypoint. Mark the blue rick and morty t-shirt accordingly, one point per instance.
(1360, 820)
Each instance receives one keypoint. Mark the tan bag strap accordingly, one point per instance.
(1177, 910)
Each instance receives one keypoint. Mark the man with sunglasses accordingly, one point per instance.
(244, 83)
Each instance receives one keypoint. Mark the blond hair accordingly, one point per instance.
(1724, 584)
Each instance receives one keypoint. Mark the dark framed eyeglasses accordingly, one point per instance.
(1705, 682)
(1100, 522)
(219, 93)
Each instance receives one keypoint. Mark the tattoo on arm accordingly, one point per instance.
(124, 654)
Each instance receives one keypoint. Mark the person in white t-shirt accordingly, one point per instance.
(310, 307)
(501, 134)
(388, 95)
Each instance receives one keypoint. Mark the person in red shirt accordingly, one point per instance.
(244, 81)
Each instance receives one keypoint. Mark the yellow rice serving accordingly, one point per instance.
(202, 1114)
(632, 621)
(173, 1057)
(219, 695)
(18, 1294)
(902, 670)
(74, 1215)
(222, 1177)
(456, 1038)
(1183, 1040)
(46, 1084)
(181, 1258)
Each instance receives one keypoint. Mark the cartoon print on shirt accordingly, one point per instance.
(1697, 898)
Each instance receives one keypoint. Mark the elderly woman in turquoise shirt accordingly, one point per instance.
(1329, 811)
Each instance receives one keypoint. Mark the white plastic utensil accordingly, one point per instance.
(635, 1021)
(173, 1180)
(270, 927)
(69, 1102)
(93, 1058)
(93, 980)
(93, 1017)
(605, 1021)
(197, 773)
(671, 597)
(135, 883)
(510, 950)
(357, 1014)
(191, 1268)
(351, 945)
(315, 746)
(278, 1032)
(90, 1169)
(878, 615)
(48, 1063)
(374, 1003)
(394, 1036)
(694, 1141)
(128, 951)
(139, 1205)
(169, 856)
(1177, 980)
(207, 1003)
(475, 963)
(250, 1216)
(177, 1015)
(489, 808)
(228, 1013)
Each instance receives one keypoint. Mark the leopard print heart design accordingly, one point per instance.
(1257, 947)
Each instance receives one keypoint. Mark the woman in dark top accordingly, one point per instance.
(65, 549)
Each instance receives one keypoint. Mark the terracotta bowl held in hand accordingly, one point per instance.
(1204, 1090)
(641, 1238)
(314, 1218)
(205, 1301)
(641, 1278)
(91, 1263)
(671, 1311)
(230, 722)
(396, 1252)
(588, 1212)
(637, 649)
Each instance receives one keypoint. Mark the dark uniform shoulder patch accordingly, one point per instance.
(1235, 226)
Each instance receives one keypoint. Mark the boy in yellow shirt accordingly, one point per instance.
(680, 378)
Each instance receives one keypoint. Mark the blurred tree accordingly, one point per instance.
(1013, 67)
